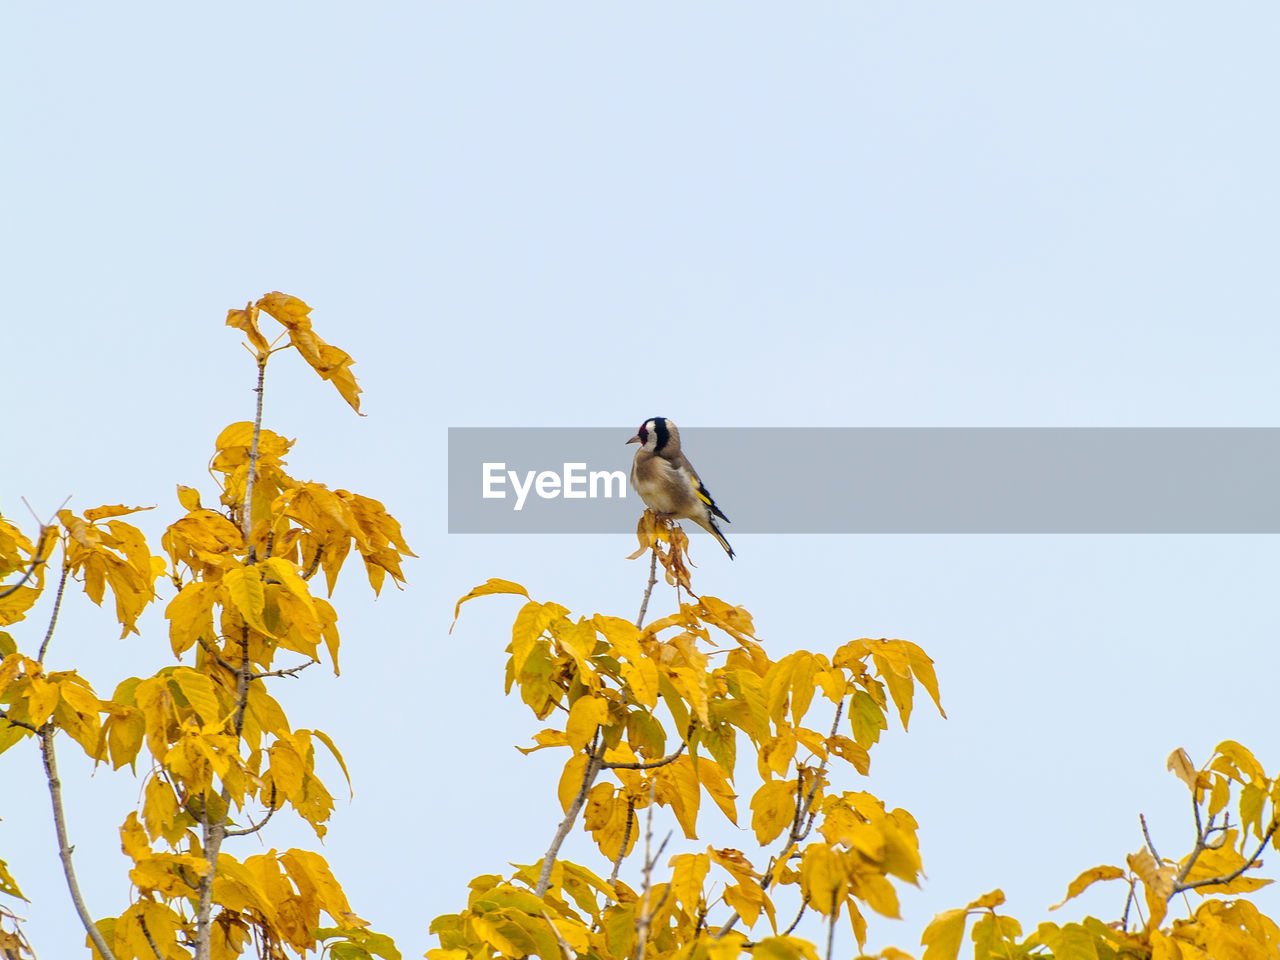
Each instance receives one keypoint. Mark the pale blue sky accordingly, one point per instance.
(732, 214)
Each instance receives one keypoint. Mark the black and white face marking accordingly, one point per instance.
(661, 434)
(654, 434)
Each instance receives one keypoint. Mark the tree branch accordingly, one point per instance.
(651, 765)
(797, 831)
(214, 832)
(594, 761)
(255, 827)
(1146, 834)
(246, 521)
(13, 588)
(653, 579)
(289, 672)
(64, 845)
(626, 838)
(1251, 862)
(19, 723)
(53, 619)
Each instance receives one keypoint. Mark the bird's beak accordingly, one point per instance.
(635, 439)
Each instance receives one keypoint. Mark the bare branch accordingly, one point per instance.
(213, 652)
(798, 832)
(566, 951)
(147, 933)
(646, 887)
(246, 521)
(595, 756)
(1150, 846)
(626, 839)
(64, 845)
(18, 723)
(831, 934)
(290, 672)
(255, 827)
(315, 564)
(13, 588)
(653, 579)
(804, 905)
(1249, 863)
(650, 765)
(213, 832)
(53, 619)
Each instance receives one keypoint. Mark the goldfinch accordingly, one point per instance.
(667, 482)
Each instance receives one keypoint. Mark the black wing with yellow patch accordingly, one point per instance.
(705, 496)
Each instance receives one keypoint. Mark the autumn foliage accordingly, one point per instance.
(659, 725)
(216, 753)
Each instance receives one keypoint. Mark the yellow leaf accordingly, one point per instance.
(988, 900)
(1090, 876)
(287, 573)
(823, 878)
(942, 937)
(688, 873)
(1241, 758)
(586, 714)
(773, 809)
(1157, 884)
(42, 698)
(119, 510)
(623, 636)
(198, 689)
(642, 678)
(331, 363)
(247, 320)
(1180, 763)
(324, 738)
(190, 615)
(733, 861)
(243, 586)
(528, 626)
(713, 778)
(571, 780)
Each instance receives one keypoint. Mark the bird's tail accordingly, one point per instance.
(713, 528)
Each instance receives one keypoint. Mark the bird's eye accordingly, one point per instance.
(644, 435)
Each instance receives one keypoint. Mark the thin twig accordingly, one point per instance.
(315, 564)
(215, 831)
(64, 845)
(289, 672)
(147, 933)
(797, 831)
(831, 934)
(213, 652)
(566, 951)
(246, 521)
(650, 765)
(1150, 846)
(53, 619)
(653, 579)
(646, 888)
(1129, 900)
(13, 588)
(804, 905)
(255, 827)
(595, 756)
(626, 839)
(19, 723)
(1252, 861)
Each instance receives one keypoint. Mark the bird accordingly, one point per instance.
(667, 482)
